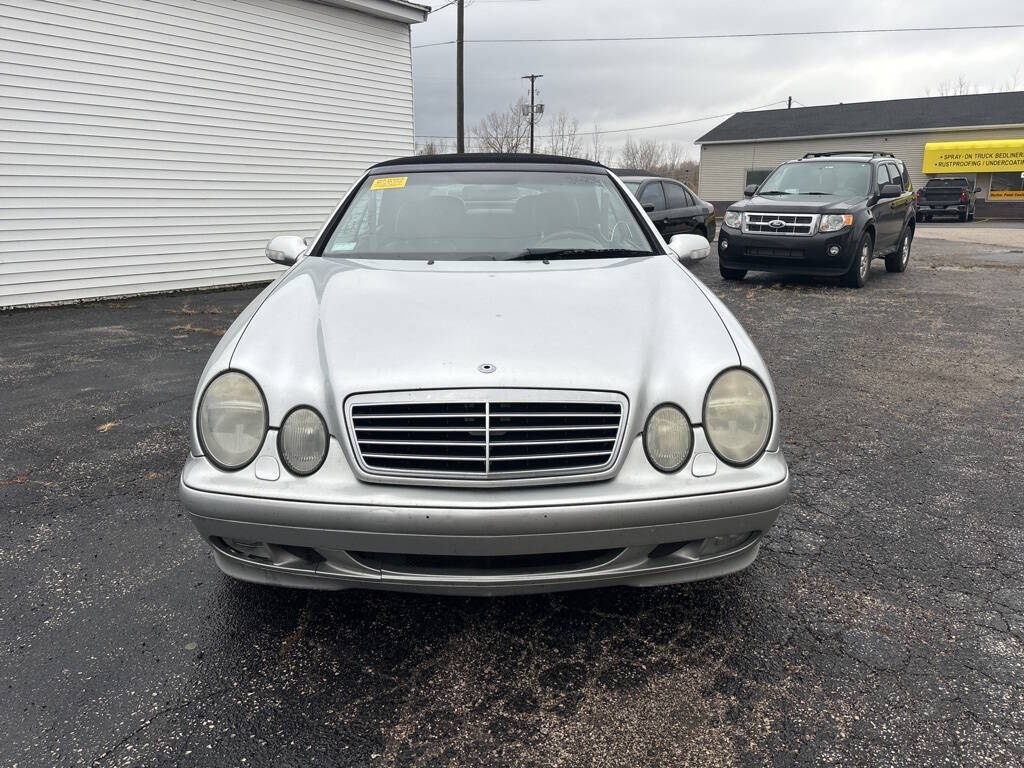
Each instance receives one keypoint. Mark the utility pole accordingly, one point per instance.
(460, 101)
(533, 105)
(789, 104)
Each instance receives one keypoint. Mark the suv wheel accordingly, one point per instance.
(732, 274)
(857, 275)
(897, 262)
(962, 215)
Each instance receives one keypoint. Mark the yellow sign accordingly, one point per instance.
(389, 182)
(974, 156)
(1006, 194)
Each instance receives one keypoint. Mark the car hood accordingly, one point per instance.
(335, 327)
(796, 203)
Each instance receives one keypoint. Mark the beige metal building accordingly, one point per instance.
(153, 145)
(980, 136)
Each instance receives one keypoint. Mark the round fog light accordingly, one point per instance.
(302, 441)
(725, 244)
(833, 250)
(668, 438)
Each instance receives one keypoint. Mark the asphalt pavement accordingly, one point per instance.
(883, 623)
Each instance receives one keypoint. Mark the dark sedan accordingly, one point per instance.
(673, 207)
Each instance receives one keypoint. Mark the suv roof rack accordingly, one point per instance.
(839, 153)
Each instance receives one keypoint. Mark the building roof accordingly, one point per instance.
(395, 10)
(486, 157)
(867, 117)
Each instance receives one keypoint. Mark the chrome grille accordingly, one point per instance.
(486, 434)
(804, 224)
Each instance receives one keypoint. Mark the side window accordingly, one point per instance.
(691, 199)
(904, 174)
(676, 196)
(883, 175)
(895, 177)
(652, 195)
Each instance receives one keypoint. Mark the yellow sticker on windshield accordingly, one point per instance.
(389, 182)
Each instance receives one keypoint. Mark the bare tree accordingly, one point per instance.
(647, 154)
(672, 157)
(597, 151)
(1011, 82)
(435, 147)
(563, 136)
(959, 87)
(507, 131)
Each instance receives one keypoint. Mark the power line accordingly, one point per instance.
(725, 36)
(629, 130)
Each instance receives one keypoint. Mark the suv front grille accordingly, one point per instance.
(493, 435)
(803, 224)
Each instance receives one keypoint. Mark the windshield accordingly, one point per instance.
(846, 179)
(487, 215)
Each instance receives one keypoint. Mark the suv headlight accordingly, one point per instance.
(737, 417)
(733, 219)
(833, 222)
(668, 438)
(302, 441)
(232, 420)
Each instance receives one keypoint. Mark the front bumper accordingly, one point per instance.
(488, 542)
(787, 253)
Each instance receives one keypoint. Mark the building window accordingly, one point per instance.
(1007, 185)
(756, 176)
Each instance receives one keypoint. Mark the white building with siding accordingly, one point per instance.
(154, 145)
(749, 145)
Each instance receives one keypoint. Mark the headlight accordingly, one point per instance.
(737, 417)
(302, 441)
(668, 438)
(833, 222)
(733, 219)
(232, 420)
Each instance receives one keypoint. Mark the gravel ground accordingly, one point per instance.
(882, 625)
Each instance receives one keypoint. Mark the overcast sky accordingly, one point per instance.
(627, 84)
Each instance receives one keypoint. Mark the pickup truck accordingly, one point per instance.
(953, 196)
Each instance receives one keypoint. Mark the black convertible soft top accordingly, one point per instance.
(486, 157)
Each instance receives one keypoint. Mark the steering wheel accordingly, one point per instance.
(569, 234)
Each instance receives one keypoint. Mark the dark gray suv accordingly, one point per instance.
(829, 213)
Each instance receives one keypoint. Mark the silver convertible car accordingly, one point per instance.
(486, 375)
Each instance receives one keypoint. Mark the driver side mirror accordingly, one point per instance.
(689, 248)
(889, 191)
(750, 190)
(286, 249)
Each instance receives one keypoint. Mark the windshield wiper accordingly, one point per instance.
(541, 254)
(774, 192)
(830, 194)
